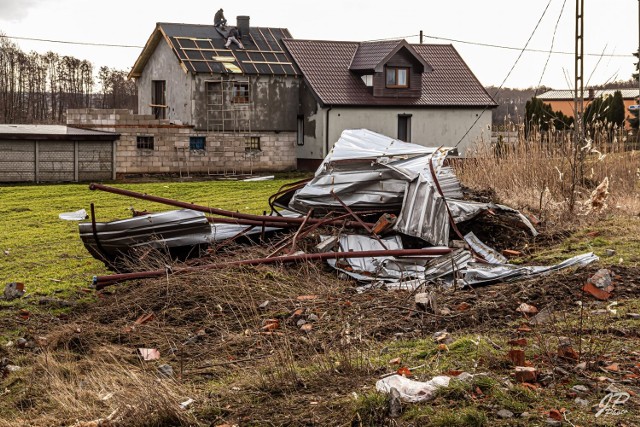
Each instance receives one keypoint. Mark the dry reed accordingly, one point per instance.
(534, 172)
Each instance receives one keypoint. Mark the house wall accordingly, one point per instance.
(224, 153)
(431, 127)
(565, 106)
(273, 106)
(163, 65)
(274, 98)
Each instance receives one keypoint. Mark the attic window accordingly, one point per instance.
(368, 80)
(397, 77)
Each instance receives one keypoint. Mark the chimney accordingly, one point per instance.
(242, 22)
(592, 93)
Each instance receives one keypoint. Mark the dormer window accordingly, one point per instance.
(397, 77)
(367, 79)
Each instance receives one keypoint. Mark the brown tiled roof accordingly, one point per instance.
(370, 54)
(326, 66)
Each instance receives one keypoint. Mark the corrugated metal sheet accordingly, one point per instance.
(378, 268)
(365, 170)
(490, 255)
(478, 274)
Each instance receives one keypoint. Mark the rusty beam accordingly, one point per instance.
(210, 210)
(101, 282)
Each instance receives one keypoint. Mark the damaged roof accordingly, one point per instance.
(200, 49)
(328, 67)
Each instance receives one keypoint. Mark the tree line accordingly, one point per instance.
(39, 88)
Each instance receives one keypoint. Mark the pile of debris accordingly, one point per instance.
(378, 209)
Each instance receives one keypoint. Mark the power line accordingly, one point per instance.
(544, 12)
(391, 38)
(517, 48)
(68, 42)
(553, 39)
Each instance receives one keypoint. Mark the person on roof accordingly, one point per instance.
(234, 36)
(219, 19)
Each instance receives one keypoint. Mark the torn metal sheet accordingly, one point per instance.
(478, 274)
(488, 254)
(377, 268)
(179, 229)
(365, 170)
(424, 213)
(443, 268)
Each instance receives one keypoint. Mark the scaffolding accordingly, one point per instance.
(229, 107)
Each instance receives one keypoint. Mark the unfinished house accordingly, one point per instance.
(423, 93)
(204, 108)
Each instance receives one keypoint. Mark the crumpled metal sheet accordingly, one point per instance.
(171, 229)
(478, 274)
(378, 268)
(365, 170)
(424, 213)
(489, 254)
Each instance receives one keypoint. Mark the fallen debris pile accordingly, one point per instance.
(378, 209)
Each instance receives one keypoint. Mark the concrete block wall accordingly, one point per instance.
(224, 153)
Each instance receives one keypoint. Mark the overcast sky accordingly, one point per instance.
(611, 28)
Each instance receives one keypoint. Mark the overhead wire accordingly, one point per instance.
(68, 42)
(544, 12)
(553, 39)
(374, 40)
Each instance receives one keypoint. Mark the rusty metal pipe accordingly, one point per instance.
(101, 282)
(206, 209)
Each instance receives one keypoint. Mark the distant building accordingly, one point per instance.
(563, 100)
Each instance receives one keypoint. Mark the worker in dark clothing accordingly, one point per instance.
(219, 19)
(234, 36)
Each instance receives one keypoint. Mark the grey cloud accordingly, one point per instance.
(15, 10)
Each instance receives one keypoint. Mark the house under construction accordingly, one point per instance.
(206, 108)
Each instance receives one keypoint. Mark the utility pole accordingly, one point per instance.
(638, 69)
(578, 105)
(579, 71)
(421, 34)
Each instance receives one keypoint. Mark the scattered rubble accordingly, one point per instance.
(13, 290)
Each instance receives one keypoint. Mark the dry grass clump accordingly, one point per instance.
(100, 390)
(535, 173)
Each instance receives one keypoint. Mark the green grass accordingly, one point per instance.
(46, 253)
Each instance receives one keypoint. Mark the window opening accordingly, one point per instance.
(397, 77)
(197, 142)
(158, 99)
(253, 144)
(144, 142)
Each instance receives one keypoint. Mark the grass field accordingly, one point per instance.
(79, 362)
